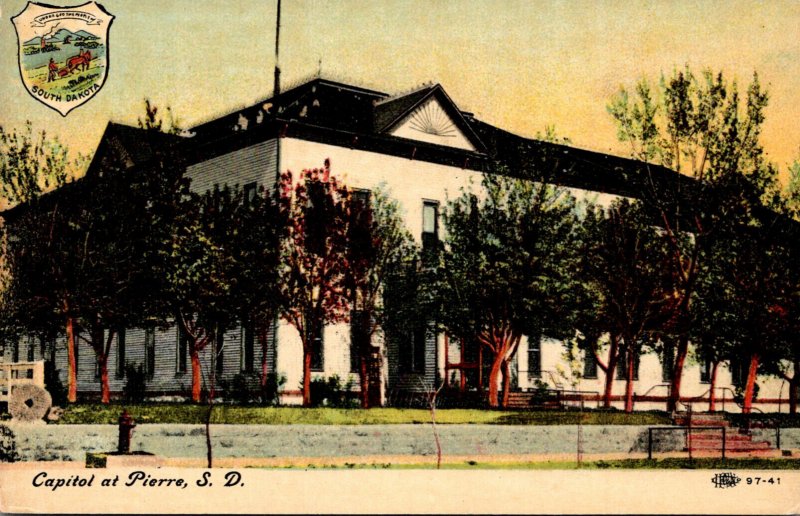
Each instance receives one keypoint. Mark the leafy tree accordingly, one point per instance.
(507, 269)
(254, 241)
(314, 279)
(379, 246)
(33, 163)
(200, 276)
(629, 267)
(696, 125)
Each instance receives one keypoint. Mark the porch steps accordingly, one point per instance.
(737, 441)
(529, 400)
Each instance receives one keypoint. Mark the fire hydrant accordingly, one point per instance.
(126, 426)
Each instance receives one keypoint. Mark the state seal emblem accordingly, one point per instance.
(63, 52)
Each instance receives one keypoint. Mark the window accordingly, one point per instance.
(535, 357)
(250, 192)
(362, 198)
(318, 213)
(219, 358)
(705, 371)
(667, 362)
(430, 225)
(622, 366)
(76, 338)
(15, 351)
(359, 338)
(181, 351)
(248, 347)
(589, 365)
(31, 349)
(738, 373)
(150, 352)
(121, 353)
(316, 340)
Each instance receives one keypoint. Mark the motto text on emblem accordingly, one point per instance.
(63, 52)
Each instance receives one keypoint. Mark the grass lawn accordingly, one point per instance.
(231, 414)
(670, 463)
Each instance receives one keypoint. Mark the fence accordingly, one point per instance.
(18, 373)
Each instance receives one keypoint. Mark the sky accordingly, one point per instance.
(520, 65)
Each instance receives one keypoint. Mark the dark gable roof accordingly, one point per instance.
(124, 146)
(319, 102)
(578, 168)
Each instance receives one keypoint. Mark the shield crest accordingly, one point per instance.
(63, 52)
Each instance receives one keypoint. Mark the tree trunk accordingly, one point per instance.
(506, 383)
(630, 360)
(105, 391)
(751, 382)
(194, 354)
(306, 376)
(497, 363)
(712, 396)
(677, 373)
(612, 366)
(72, 373)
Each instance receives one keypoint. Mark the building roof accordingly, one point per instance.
(346, 115)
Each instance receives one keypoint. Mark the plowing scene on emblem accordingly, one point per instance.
(62, 62)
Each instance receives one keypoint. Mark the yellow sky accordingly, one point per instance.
(520, 65)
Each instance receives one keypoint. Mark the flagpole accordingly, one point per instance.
(277, 86)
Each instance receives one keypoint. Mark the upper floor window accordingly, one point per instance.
(430, 225)
(589, 365)
(250, 192)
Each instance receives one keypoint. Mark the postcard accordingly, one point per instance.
(399, 256)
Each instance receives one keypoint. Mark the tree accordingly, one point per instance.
(628, 264)
(31, 164)
(696, 126)
(507, 268)
(200, 276)
(378, 246)
(254, 240)
(314, 279)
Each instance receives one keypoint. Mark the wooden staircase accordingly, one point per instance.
(706, 434)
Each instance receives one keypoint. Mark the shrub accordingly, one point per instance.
(136, 385)
(239, 390)
(52, 382)
(330, 392)
(8, 445)
(273, 383)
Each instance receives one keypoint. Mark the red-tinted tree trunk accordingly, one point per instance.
(630, 360)
(750, 385)
(72, 374)
(506, 383)
(613, 350)
(677, 373)
(105, 391)
(194, 355)
(306, 376)
(712, 395)
(497, 363)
